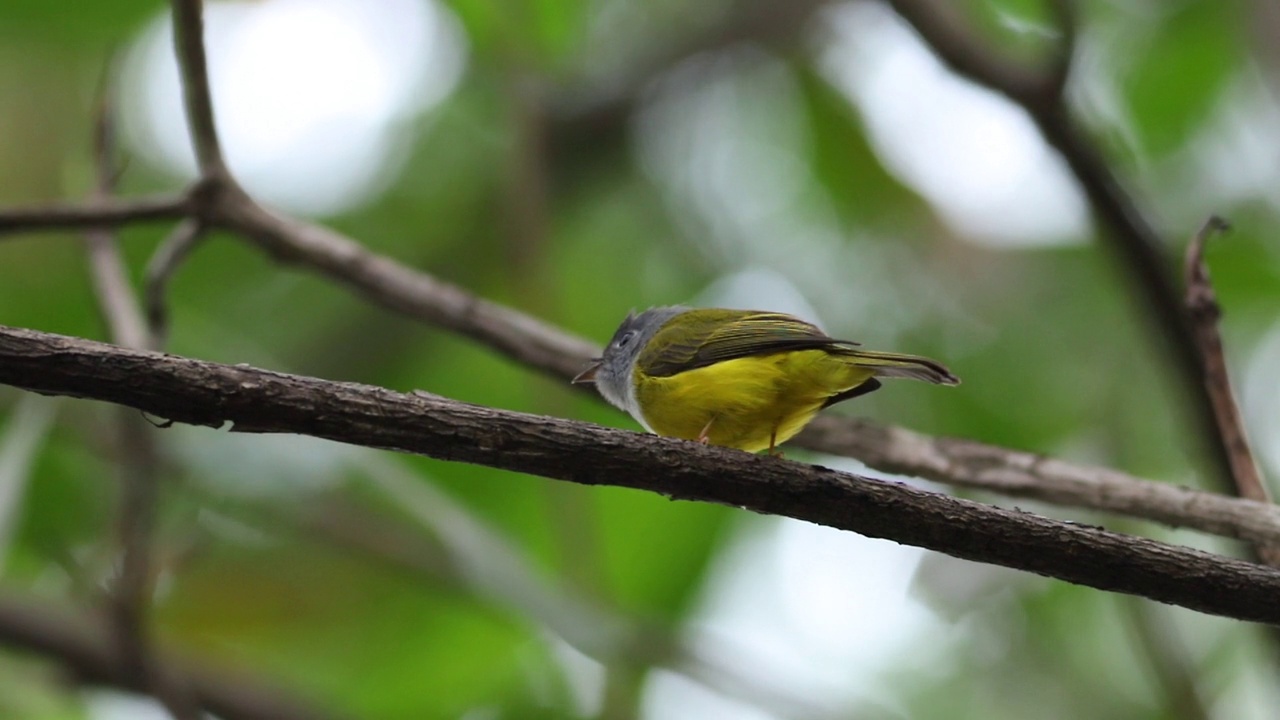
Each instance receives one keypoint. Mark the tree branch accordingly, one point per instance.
(99, 213)
(211, 394)
(116, 301)
(1131, 236)
(161, 268)
(546, 348)
(188, 40)
(888, 448)
(82, 645)
(389, 284)
(943, 27)
(971, 464)
(537, 344)
(1204, 312)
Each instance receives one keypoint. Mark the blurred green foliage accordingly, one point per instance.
(1055, 354)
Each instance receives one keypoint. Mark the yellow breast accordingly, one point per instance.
(747, 403)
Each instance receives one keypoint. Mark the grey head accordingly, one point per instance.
(612, 372)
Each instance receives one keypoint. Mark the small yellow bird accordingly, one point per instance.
(744, 379)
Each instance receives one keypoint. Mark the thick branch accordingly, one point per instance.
(542, 346)
(82, 645)
(551, 350)
(559, 354)
(212, 394)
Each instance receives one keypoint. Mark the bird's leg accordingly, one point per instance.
(704, 437)
(773, 443)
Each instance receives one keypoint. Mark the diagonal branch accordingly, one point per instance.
(161, 268)
(942, 25)
(110, 280)
(1138, 245)
(397, 287)
(1204, 312)
(253, 400)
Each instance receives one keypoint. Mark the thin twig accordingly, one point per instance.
(1204, 312)
(110, 280)
(188, 39)
(162, 266)
(252, 400)
(392, 285)
(115, 299)
(98, 213)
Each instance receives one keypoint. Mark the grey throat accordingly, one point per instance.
(614, 379)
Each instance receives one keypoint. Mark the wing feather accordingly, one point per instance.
(708, 336)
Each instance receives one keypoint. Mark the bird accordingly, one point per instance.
(745, 379)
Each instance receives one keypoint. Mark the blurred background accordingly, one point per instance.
(579, 158)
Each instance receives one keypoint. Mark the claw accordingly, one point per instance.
(704, 437)
(773, 444)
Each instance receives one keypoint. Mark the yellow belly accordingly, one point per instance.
(746, 403)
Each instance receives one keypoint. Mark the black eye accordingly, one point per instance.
(625, 339)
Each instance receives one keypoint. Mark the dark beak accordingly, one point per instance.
(589, 374)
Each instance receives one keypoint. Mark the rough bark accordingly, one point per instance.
(255, 400)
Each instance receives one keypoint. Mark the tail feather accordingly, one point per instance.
(895, 365)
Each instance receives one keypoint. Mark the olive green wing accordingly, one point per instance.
(707, 336)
